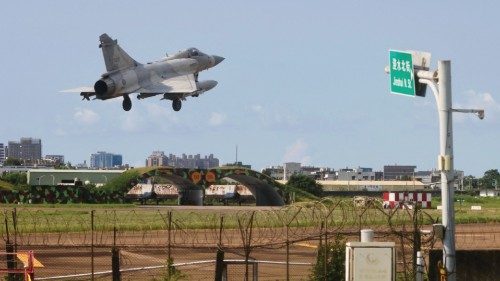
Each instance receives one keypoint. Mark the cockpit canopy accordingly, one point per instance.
(187, 54)
(193, 52)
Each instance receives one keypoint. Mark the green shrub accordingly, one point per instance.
(335, 261)
(306, 184)
(123, 183)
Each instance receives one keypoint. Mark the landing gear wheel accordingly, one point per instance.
(127, 103)
(176, 104)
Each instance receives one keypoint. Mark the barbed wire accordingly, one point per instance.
(147, 226)
(240, 232)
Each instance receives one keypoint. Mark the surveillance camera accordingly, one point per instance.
(480, 114)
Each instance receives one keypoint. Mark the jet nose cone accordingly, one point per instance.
(217, 60)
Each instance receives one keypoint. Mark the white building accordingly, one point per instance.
(289, 169)
(55, 158)
(275, 172)
(489, 193)
(458, 183)
(356, 174)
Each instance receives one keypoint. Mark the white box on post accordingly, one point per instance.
(374, 261)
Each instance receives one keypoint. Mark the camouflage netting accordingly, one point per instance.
(61, 194)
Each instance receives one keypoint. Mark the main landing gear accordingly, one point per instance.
(176, 104)
(127, 103)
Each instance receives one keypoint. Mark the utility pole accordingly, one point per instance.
(440, 83)
(442, 93)
(446, 166)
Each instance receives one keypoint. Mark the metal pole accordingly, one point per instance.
(92, 244)
(447, 173)
(169, 245)
(287, 256)
(420, 267)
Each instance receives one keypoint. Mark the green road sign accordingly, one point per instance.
(401, 68)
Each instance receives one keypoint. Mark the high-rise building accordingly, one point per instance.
(193, 161)
(117, 160)
(2, 154)
(103, 159)
(157, 158)
(27, 149)
(397, 172)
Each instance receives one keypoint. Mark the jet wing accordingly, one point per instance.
(79, 90)
(178, 84)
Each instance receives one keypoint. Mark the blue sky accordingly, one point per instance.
(302, 80)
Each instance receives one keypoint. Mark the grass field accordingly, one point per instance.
(77, 217)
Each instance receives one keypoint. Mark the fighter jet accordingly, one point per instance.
(174, 77)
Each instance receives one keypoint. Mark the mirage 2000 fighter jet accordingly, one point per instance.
(175, 77)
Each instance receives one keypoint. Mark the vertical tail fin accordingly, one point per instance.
(115, 57)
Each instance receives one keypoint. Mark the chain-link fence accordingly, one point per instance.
(258, 243)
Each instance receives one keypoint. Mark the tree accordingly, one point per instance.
(123, 183)
(470, 182)
(305, 183)
(335, 261)
(491, 179)
(15, 178)
(12, 162)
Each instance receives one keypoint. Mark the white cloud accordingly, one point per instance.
(60, 132)
(297, 152)
(257, 108)
(131, 122)
(216, 119)
(86, 116)
(275, 119)
(161, 113)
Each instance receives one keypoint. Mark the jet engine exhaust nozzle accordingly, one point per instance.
(104, 86)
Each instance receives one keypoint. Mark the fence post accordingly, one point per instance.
(287, 255)
(416, 238)
(219, 265)
(327, 247)
(11, 260)
(420, 267)
(255, 271)
(288, 223)
(14, 224)
(219, 262)
(169, 254)
(115, 258)
(248, 247)
(115, 263)
(246, 238)
(92, 244)
(322, 248)
(11, 247)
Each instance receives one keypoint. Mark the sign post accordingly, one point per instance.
(401, 71)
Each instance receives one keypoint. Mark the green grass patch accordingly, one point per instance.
(6, 185)
(45, 218)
